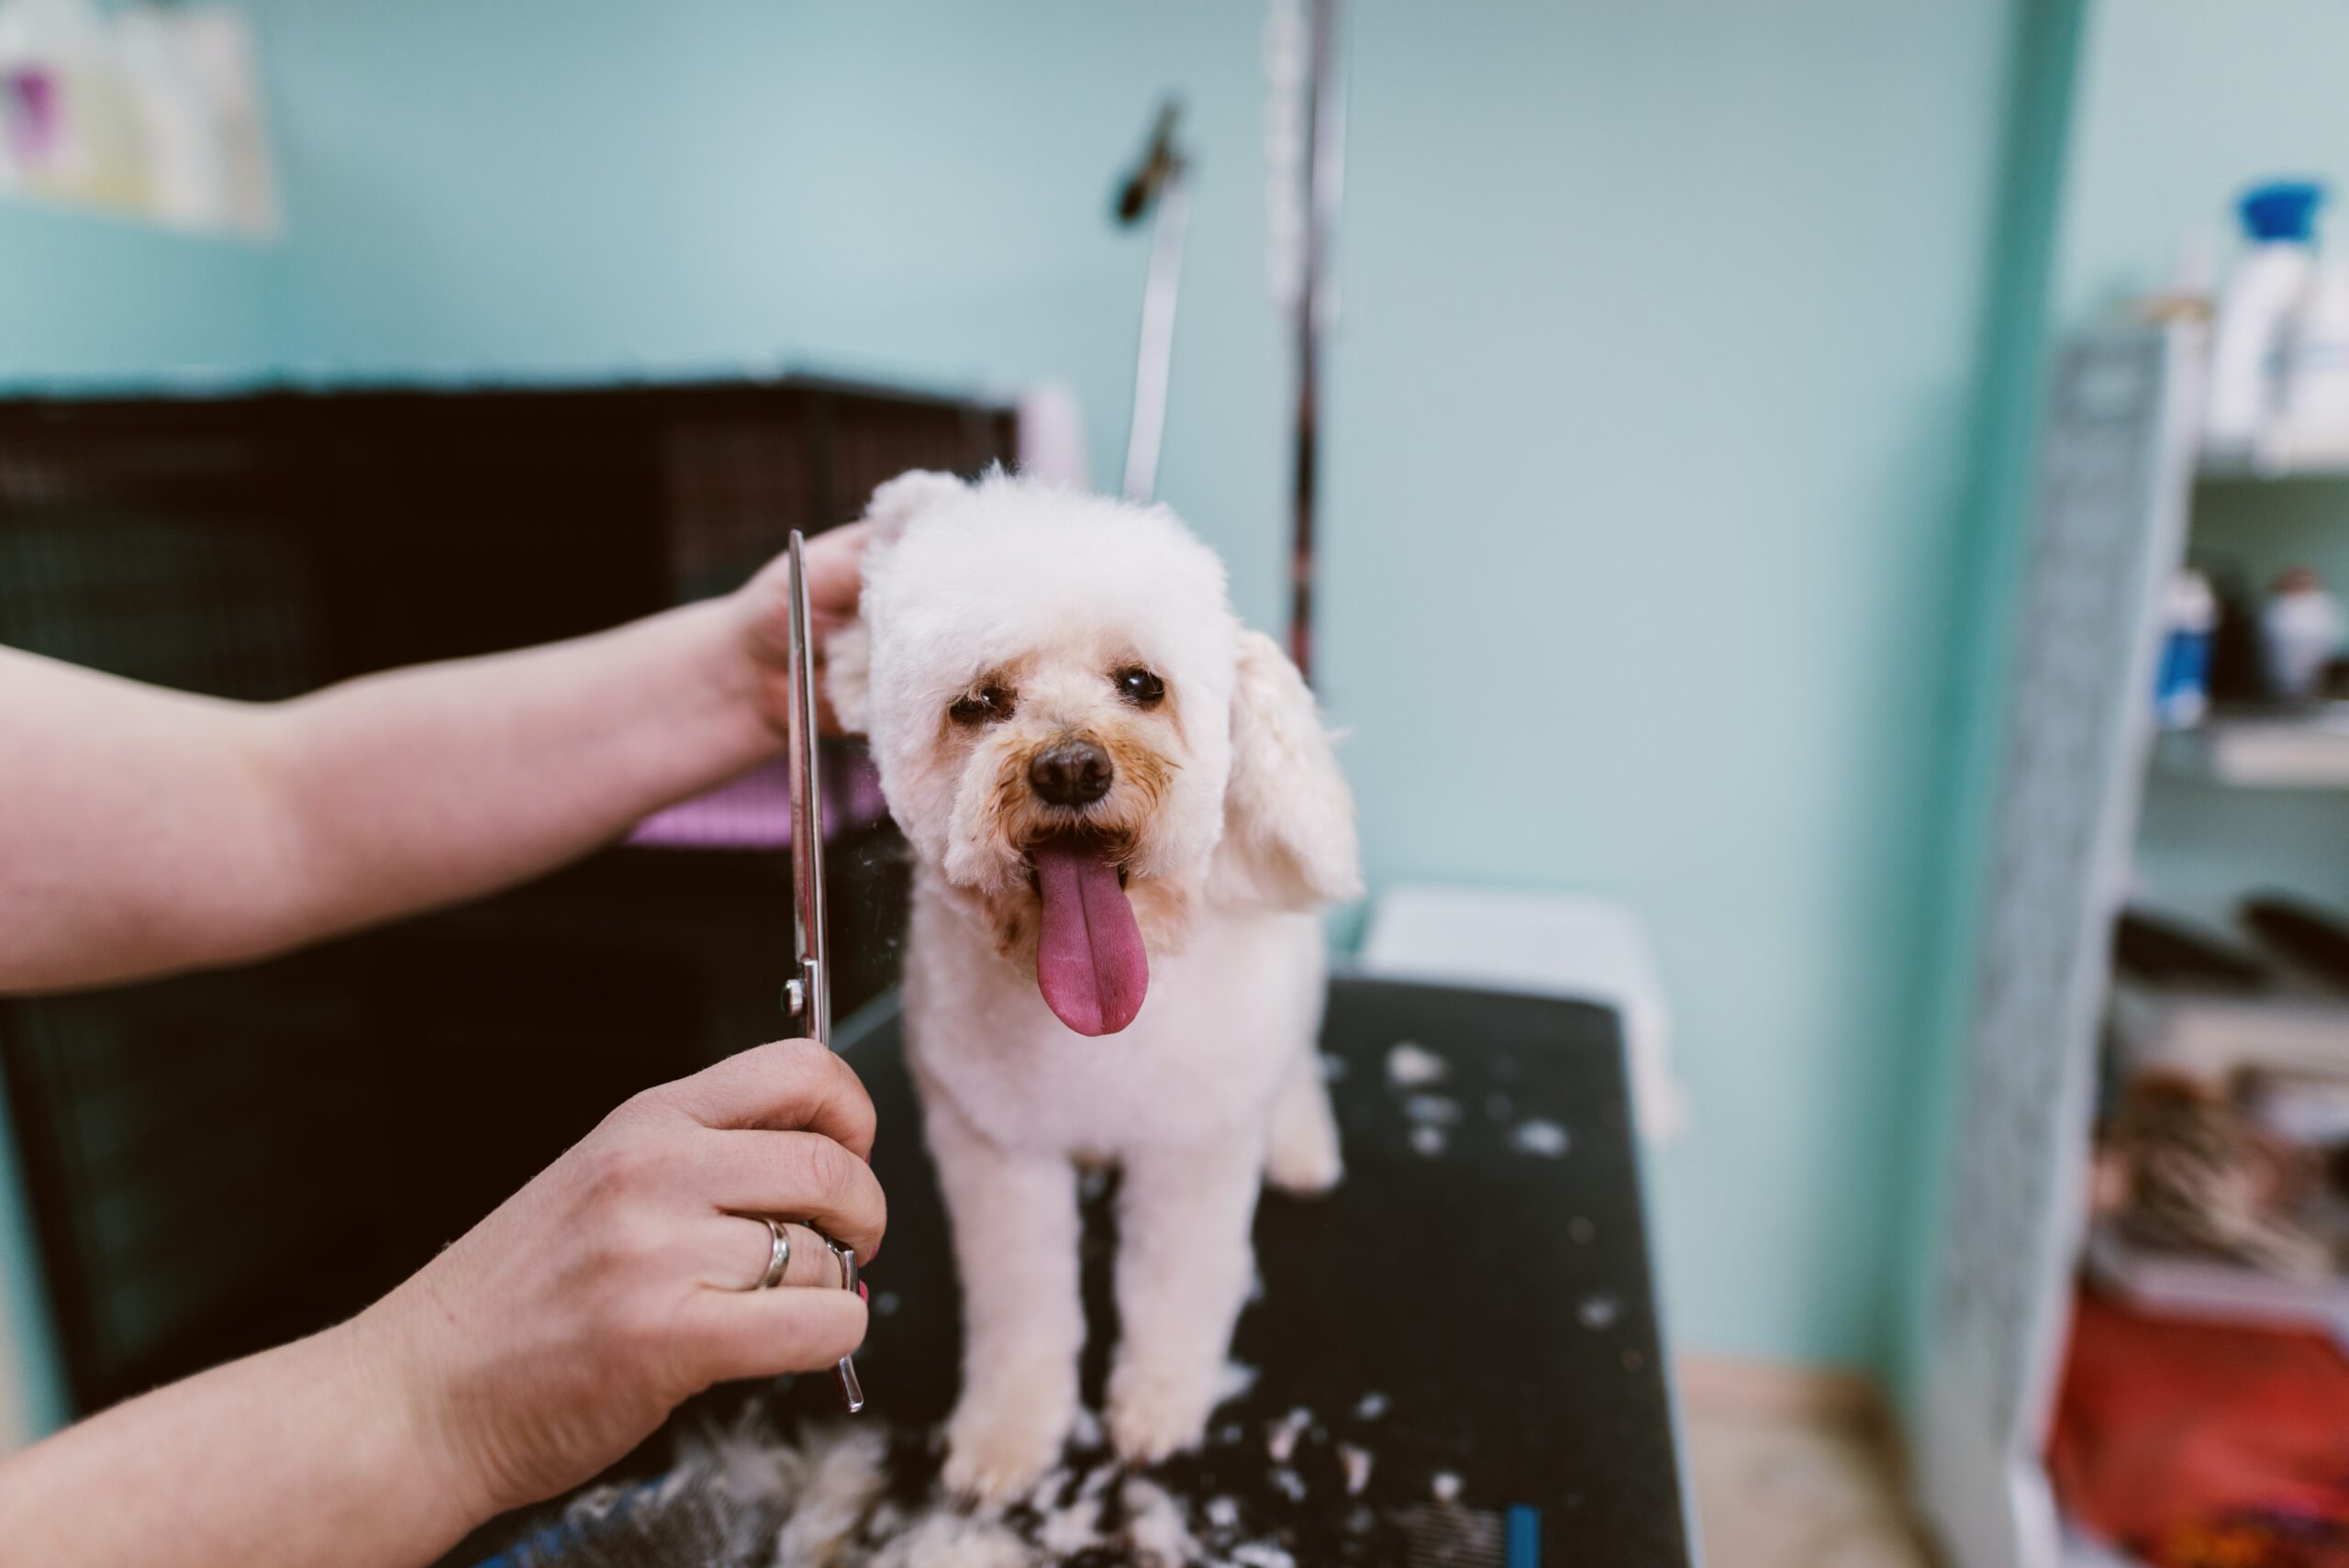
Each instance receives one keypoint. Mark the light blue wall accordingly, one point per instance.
(88, 300)
(1649, 427)
(1664, 329)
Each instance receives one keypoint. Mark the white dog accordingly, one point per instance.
(1124, 813)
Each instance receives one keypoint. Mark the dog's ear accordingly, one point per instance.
(848, 652)
(900, 500)
(1288, 818)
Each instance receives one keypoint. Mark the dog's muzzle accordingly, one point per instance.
(1071, 772)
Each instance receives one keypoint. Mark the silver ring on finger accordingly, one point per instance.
(778, 1256)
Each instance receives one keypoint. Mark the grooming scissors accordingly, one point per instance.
(807, 994)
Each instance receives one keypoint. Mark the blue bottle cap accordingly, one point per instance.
(2282, 209)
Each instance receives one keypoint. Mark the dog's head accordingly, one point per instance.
(1076, 732)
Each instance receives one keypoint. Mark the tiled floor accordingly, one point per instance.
(1783, 1485)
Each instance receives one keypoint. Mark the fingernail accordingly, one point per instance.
(863, 1294)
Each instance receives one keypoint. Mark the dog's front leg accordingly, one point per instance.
(1016, 1237)
(1183, 1265)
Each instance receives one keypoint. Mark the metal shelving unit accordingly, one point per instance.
(2120, 465)
(2117, 469)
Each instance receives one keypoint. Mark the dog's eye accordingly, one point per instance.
(982, 706)
(1140, 687)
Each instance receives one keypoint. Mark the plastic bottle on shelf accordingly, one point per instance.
(2189, 616)
(2302, 629)
(2268, 287)
(2315, 425)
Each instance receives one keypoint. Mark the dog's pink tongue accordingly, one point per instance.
(1089, 960)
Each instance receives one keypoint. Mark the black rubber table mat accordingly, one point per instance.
(1472, 1308)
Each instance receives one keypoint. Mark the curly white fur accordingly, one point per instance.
(1234, 825)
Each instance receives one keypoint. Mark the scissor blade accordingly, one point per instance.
(807, 811)
(813, 999)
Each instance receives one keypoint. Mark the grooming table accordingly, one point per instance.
(1472, 1308)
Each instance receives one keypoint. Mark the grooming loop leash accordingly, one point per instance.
(807, 994)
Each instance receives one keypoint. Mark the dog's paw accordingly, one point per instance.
(1302, 1157)
(1303, 1166)
(1301, 1154)
(1153, 1413)
(998, 1448)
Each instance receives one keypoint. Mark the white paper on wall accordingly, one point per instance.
(147, 111)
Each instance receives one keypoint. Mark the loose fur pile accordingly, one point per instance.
(1125, 815)
(834, 1496)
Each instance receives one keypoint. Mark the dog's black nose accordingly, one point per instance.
(1073, 772)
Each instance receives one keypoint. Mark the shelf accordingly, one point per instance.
(2216, 1036)
(2298, 752)
(2191, 1285)
(2259, 471)
(2274, 461)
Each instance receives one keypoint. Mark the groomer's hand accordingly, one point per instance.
(558, 1333)
(835, 577)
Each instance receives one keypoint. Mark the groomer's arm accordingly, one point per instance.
(525, 1358)
(143, 830)
(292, 1456)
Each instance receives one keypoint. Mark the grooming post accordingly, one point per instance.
(1324, 181)
(1160, 184)
(807, 996)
